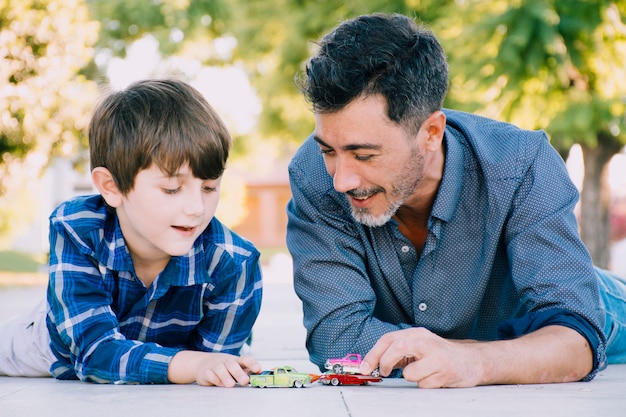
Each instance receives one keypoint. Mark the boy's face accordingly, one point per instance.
(162, 216)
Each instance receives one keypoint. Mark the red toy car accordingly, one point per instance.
(347, 379)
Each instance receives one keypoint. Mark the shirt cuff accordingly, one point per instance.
(155, 365)
(530, 322)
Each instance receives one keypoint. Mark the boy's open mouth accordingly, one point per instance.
(183, 228)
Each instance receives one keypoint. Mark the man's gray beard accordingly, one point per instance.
(404, 188)
(364, 217)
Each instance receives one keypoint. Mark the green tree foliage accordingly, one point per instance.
(276, 38)
(186, 29)
(173, 23)
(551, 64)
(556, 65)
(44, 101)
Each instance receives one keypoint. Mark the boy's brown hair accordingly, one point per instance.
(162, 121)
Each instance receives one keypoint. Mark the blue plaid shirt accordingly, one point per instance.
(502, 256)
(107, 327)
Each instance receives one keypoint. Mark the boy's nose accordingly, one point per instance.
(194, 206)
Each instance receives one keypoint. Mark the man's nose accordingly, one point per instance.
(345, 177)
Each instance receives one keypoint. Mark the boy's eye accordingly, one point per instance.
(208, 189)
(171, 190)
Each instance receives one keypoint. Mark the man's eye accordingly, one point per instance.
(326, 151)
(363, 157)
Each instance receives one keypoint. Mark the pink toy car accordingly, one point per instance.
(348, 364)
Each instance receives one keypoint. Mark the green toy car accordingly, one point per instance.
(282, 376)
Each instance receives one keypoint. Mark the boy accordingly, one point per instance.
(146, 286)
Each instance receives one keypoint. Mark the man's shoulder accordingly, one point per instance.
(307, 167)
(495, 143)
(476, 127)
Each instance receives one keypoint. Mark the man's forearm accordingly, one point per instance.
(550, 354)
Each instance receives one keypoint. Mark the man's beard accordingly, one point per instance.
(400, 192)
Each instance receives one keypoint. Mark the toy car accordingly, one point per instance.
(348, 364)
(282, 376)
(330, 378)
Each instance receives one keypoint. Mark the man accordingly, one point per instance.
(435, 241)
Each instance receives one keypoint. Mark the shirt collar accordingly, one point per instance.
(451, 185)
(113, 252)
(188, 269)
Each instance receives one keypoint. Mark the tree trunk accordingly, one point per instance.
(595, 199)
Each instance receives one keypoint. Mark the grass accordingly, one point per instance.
(11, 261)
(18, 268)
(267, 253)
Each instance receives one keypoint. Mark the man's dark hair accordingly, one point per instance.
(379, 54)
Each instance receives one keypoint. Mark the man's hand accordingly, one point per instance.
(550, 354)
(425, 358)
(207, 368)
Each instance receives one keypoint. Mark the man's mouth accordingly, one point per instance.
(363, 195)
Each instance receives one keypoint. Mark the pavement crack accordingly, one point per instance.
(345, 404)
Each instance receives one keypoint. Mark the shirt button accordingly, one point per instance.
(405, 249)
(422, 306)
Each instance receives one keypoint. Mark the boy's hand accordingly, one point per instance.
(226, 370)
(209, 368)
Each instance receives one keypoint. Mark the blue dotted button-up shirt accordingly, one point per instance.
(502, 256)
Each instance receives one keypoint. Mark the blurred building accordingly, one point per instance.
(265, 222)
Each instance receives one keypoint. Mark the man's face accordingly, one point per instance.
(371, 159)
(162, 216)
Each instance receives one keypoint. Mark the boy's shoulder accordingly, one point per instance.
(219, 235)
(80, 209)
(81, 216)
(219, 240)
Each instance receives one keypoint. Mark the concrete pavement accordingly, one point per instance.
(278, 339)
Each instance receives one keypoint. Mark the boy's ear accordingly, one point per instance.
(104, 182)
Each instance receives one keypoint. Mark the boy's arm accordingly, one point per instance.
(211, 368)
(232, 306)
(84, 329)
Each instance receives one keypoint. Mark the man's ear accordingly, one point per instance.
(104, 182)
(435, 125)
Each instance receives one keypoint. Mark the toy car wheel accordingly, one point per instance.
(338, 368)
(376, 373)
(262, 384)
(298, 383)
(334, 382)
